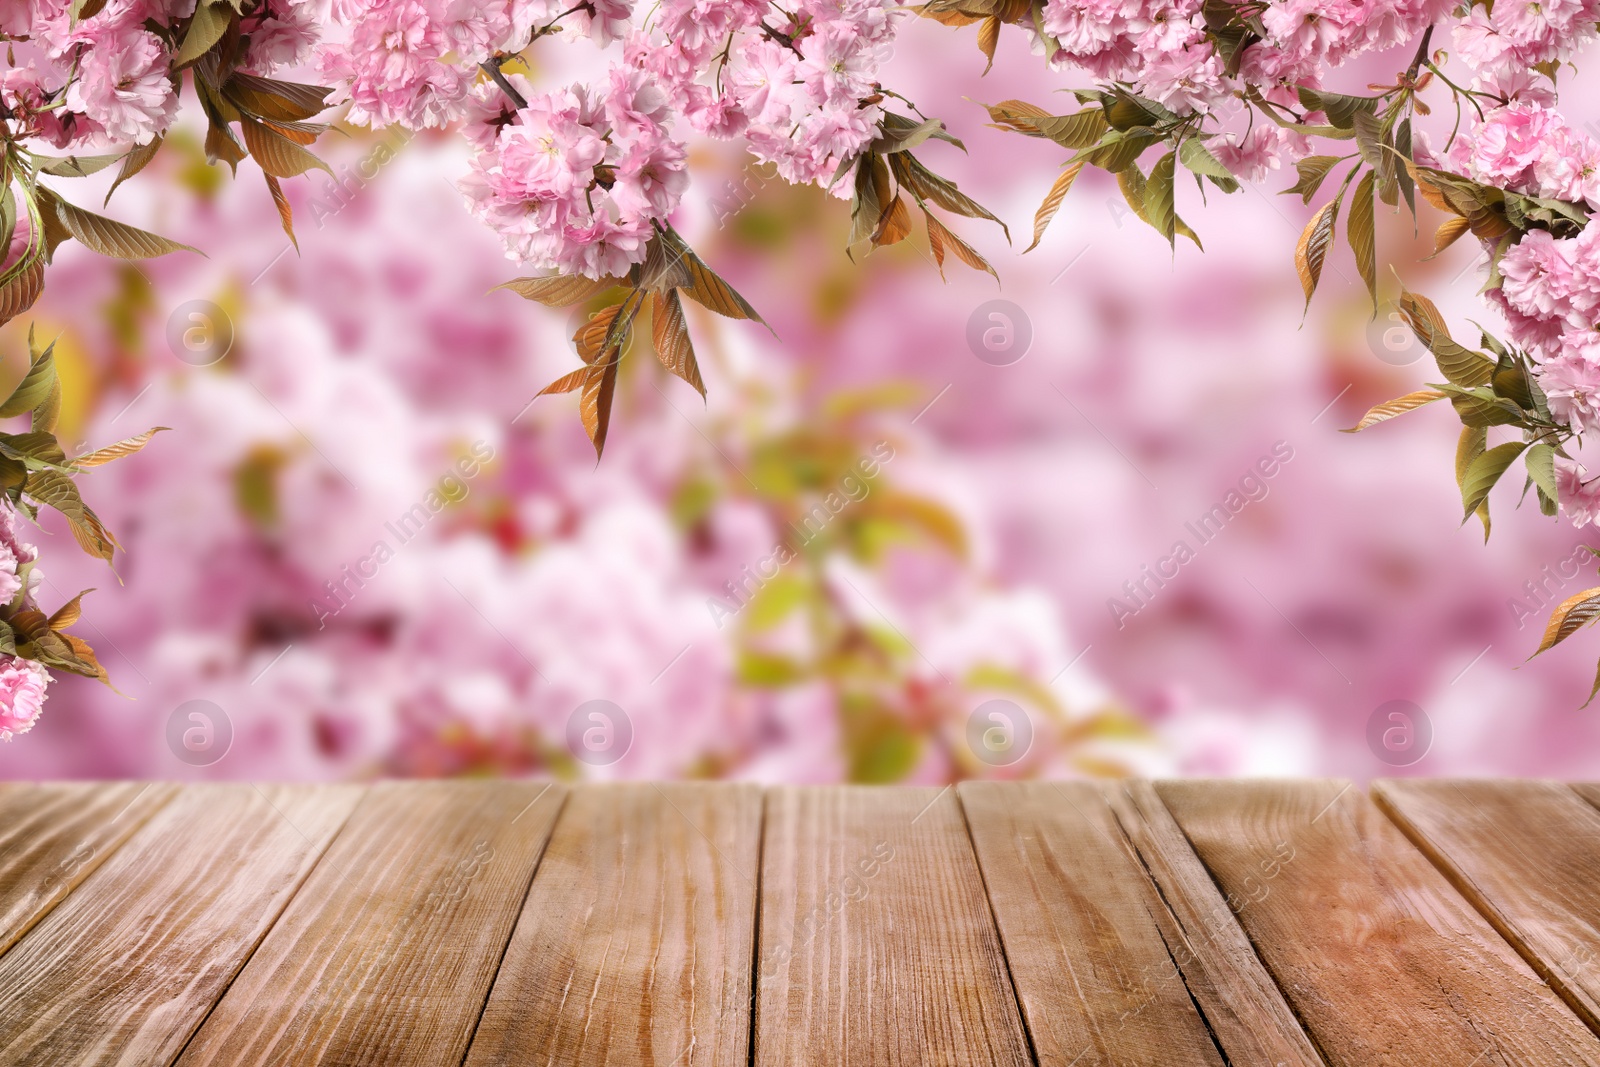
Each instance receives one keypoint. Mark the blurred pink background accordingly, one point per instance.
(979, 562)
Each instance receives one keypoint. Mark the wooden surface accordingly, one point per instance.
(490, 924)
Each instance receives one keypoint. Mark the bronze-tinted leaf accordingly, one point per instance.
(562, 290)
(70, 612)
(988, 38)
(594, 406)
(710, 291)
(285, 212)
(1019, 116)
(1312, 251)
(939, 237)
(1398, 406)
(594, 336)
(86, 662)
(19, 291)
(670, 332)
(126, 447)
(566, 383)
(56, 490)
(279, 156)
(109, 237)
(1052, 201)
(276, 101)
(1570, 616)
(894, 225)
(1450, 231)
(945, 16)
(927, 185)
(663, 267)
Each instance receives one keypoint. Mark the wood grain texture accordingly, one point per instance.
(1095, 978)
(53, 836)
(386, 955)
(124, 969)
(1242, 1004)
(1527, 855)
(877, 946)
(1386, 964)
(636, 943)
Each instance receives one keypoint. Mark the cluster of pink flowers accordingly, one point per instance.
(22, 681)
(1518, 35)
(1528, 148)
(1550, 294)
(578, 179)
(412, 63)
(1163, 50)
(107, 80)
(801, 89)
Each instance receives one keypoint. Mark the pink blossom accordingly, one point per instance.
(123, 83)
(1579, 499)
(22, 694)
(1572, 384)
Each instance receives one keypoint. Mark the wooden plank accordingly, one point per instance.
(1527, 855)
(1242, 1004)
(877, 945)
(1096, 980)
(387, 953)
(636, 943)
(53, 836)
(124, 969)
(1382, 959)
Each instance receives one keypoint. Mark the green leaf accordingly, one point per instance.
(1480, 407)
(1484, 472)
(1541, 464)
(1158, 197)
(1360, 233)
(1313, 171)
(1460, 366)
(107, 236)
(137, 159)
(35, 386)
(1340, 109)
(55, 489)
(1198, 158)
(74, 166)
(211, 20)
(1080, 130)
